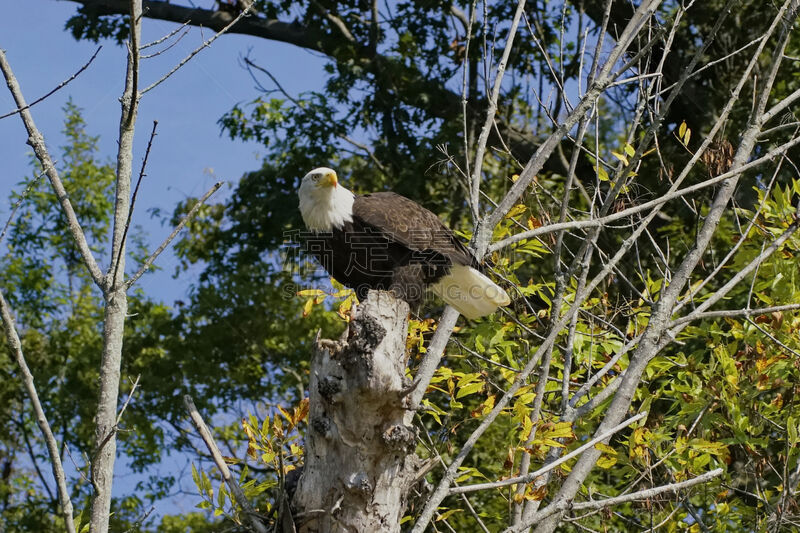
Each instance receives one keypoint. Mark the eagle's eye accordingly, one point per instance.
(315, 177)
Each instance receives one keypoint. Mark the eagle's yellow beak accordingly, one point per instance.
(328, 180)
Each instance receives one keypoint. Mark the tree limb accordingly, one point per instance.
(50, 440)
(533, 475)
(249, 513)
(149, 261)
(36, 141)
(609, 502)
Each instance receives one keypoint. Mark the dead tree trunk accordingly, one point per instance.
(360, 460)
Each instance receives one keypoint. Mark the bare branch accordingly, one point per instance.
(490, 113)
(196, 51)
(533, 475)
(164, 38)
(57, 87)
(433, 356)
(149, 261)
(136, 192)
(249, 513)
(732, 313)
(30, 388)
(609, 502)
(650, 345)
(336, 21)
(18, 203)
(604, 77)
(671, 195)
(128, 399)
(36, 141)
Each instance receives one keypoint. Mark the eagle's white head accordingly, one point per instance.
(324, 204)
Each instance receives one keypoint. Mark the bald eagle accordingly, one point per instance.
(387, 242)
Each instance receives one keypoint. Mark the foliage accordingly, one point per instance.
(274, 449)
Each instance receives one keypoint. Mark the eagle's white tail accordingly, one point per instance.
(469, 291)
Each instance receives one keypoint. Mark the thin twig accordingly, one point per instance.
(490, 113)
(149, 261)
(136, 192)
(128, 399)
(205, 434)
(156, 54)
(197, 51)
(165, 37)
(58, 87)
(18, 203)
(723, 313)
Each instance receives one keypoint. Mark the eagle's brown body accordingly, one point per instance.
(392, 243)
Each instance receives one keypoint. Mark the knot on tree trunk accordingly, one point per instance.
(360, 460)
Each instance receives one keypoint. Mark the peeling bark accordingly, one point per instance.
(360, 460)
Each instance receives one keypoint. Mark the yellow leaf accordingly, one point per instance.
(446, 514)
(682, 129)
(629, 150)
(286, 414)
(640, 435)
(277, 427)
(606, 461)
(485, 408)
(527, 426)
(516, 211)
(535, 494)
(620, 157)
(468, 389)
(301, 411)
(605, 448)
(560, 430)
(526, 398)
(310, 293)
(307, 307)
(344, 309)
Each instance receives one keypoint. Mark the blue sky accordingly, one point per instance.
(189, 154)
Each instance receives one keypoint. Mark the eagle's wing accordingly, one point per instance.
(406, 222)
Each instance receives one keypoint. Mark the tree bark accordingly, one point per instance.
(360, 461)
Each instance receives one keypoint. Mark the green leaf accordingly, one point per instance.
(221, 495)
(620, 157)
(607, 461)
(629, 150)
(469, 389)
